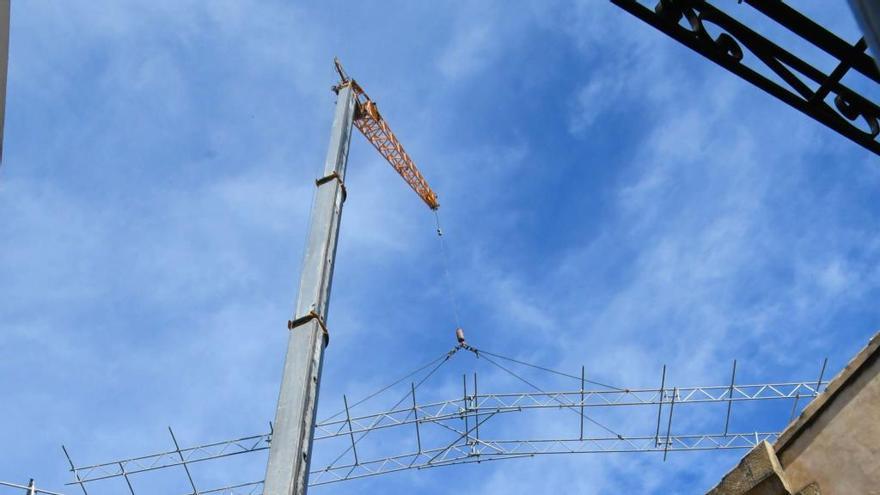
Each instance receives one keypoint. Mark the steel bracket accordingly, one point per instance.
(333, 176)
(302, 320)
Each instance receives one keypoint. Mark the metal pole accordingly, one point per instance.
(287, 471)
(582, 403)
(79, 481)
(350, 430)
(821, 374)
(476, 409)
(730, 398)
(466, 409)
(660, 406)
(669, 425)
(797, 397)
(127, 480)
(416, 416)
(182, 462)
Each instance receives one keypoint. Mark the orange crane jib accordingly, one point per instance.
(370, 122)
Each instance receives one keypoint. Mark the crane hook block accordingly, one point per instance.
(459, 335)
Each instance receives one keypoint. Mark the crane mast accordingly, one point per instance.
(293, 433)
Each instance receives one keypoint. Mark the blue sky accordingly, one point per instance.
(609, 199)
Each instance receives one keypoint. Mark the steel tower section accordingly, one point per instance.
(290, 450)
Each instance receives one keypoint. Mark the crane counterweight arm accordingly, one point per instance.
(371, 124)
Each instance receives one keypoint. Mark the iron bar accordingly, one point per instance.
(182, 462)
(817, 35)
(127, 481)
(821, 374)
(416, 417)
(476, 404)
(794, 408)
(350, 431)
(669, 425)
(582, 403)
(75, 472)
(730, 397)
(836, 75)
(660, 405)
(466, 407)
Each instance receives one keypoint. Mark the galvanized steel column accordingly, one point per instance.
(290, 452)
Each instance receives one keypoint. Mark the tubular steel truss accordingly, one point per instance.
(804, 86)
(29, 489)
(495, 450)
(468, 446)
(178, 457)
(498, 403)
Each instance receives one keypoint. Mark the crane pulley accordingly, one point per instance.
(371, 124)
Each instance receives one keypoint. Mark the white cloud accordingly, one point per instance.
(713, 240)
(468, 52)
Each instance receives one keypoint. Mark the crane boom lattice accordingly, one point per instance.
(369, 121)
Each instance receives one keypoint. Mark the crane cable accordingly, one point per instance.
(415, 386)
(548, 370)
(453, 301)
(566, 404)
(443, 357)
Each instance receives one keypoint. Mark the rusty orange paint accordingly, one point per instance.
(371, 124)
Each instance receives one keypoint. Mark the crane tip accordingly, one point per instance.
(340, 70)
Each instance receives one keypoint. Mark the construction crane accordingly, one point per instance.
(369, 121)
(290, 452)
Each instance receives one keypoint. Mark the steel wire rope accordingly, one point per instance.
(386, 387)
(405, 396)
(549, 370)
(453, 301)
(567, 405)
(444, 258)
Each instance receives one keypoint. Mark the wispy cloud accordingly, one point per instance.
(609, 199)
